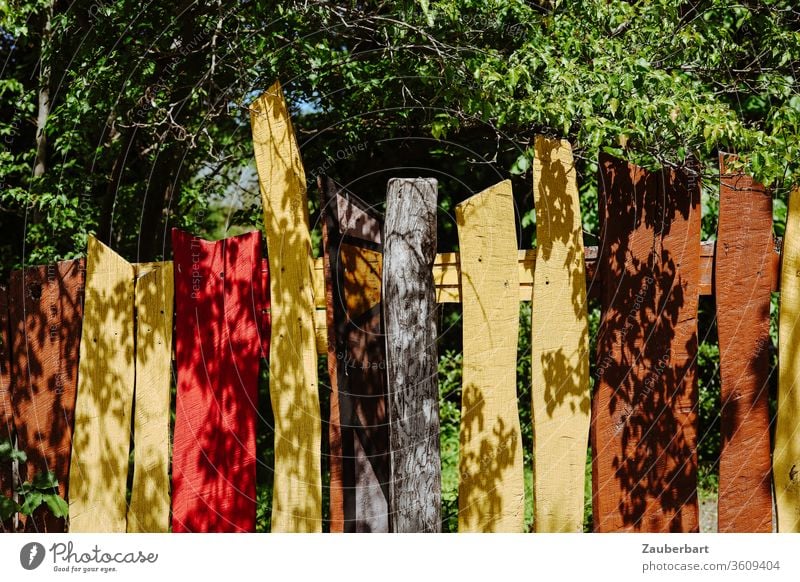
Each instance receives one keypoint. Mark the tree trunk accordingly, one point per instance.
(44, 94)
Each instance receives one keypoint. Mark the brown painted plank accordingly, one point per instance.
(359, 428)
(644, 419)
(336, 486)
(409, 309)
(6, 409)
(46, 312)
(744, 247)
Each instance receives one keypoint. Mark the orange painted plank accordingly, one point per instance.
(6, 410)
(644, 414)
(46, 312)
(743, 280)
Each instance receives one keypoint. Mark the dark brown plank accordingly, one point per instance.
(336, 486)
(359, 431)
(644, 419)
(409, 308)
(46, 307)
(743, 281)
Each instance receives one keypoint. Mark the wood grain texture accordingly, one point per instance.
(744, 246)
(786, 453)
(297, 494)
(409, 313)
(335, 459)
(101, 442)
(559, 343)
(644, 414)
(219, 301)
(6, 409)
(46, 309)
(148, 511)
(359, 431)
(447, 277)
(491, 489)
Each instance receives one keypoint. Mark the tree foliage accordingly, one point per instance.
(125, 118)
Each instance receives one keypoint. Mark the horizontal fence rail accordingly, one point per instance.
(447, 278)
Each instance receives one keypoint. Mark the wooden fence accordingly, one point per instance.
(87, 349)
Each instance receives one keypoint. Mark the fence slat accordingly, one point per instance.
(744, 246)
(560, 343)
(149, 507)
(644, 419)
(297, 495)
(219, 303)
(336, 510)
(46, 307)
(101, 441)
(786, 455)
(6, 409)
(409, 310)
(491, 490)
(359, 434)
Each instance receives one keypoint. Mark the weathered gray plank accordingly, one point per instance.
(409, 308)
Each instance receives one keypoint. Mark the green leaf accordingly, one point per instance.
(8, 507)
(58, 507)
(426, 10)
(45, 481)
(32, 501)
(520, 165)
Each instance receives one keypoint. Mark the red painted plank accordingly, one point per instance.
(644, 415)
(220, 307)
(46, 306)
(743, 280)
(359, 431)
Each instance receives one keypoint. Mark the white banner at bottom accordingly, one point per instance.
(387, 557)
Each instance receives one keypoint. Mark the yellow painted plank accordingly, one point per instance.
(321, 330)
(297, 493)
(560, 343)
(362, 278)
(786, 454)
(150, 501)
(101, 439)
(491, 494)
